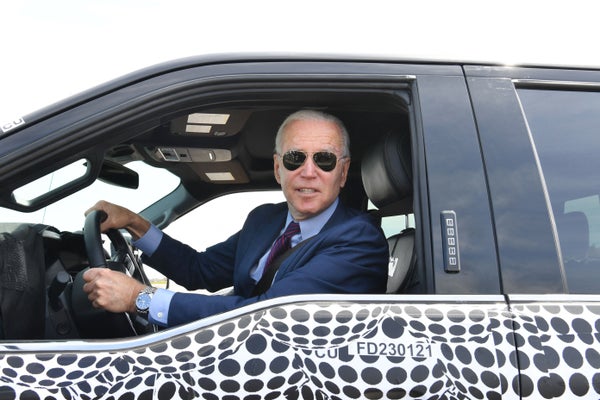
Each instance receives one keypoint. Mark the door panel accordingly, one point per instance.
(455, 182)
(558, 340)
(316, 347)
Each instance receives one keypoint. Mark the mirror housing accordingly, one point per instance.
(116, 174)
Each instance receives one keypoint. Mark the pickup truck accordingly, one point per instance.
(482, 177)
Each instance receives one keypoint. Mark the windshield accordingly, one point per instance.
(68, 213)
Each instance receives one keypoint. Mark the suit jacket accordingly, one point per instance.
(349, 255)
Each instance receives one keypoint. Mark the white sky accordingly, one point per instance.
(53, 49)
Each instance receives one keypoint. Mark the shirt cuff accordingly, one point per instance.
(150, 241)
(159, 307)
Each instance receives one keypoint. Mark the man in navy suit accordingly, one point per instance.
(342, 251)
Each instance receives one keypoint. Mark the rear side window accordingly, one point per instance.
(565, 128)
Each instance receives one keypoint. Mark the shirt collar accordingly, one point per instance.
(313, 225)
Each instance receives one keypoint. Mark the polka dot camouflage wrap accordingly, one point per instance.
(337, 350)
(558, 350)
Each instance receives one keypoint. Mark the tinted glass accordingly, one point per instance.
(565, 126)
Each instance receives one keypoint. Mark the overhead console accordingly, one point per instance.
(214, 123)
(187, 154)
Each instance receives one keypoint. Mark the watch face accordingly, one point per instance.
(142, 302)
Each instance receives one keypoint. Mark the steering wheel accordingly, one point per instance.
(98, 323)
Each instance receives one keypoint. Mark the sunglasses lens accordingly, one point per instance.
(292, 160)
(325, 160)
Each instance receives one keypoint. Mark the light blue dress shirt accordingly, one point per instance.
(159, 306)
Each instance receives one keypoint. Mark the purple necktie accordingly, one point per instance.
(282, 243)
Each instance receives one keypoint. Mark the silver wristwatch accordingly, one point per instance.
(143, 299)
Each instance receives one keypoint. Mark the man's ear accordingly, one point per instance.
(276, 168)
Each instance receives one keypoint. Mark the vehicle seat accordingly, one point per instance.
(580, 260)
(387, 178)
(402, 260)
(574, 233)
(22, 283)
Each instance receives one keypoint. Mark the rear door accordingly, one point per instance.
(539, 135)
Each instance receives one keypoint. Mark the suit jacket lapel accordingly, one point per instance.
(257, 243)
(339, 216)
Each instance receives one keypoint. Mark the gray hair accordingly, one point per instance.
(305, 115)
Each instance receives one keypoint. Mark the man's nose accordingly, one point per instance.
(309, 168)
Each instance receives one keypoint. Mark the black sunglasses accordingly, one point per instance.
(325, 160)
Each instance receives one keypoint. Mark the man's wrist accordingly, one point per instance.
(137, 287)
(138, 227)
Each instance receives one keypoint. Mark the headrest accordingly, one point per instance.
(575, 237)
(387, 173)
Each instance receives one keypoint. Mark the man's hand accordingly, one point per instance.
(120, 217)
(111, 290)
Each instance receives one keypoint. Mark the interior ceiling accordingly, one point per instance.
(249, 136)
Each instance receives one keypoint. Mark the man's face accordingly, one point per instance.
(309, 190)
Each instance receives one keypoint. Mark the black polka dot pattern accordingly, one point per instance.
(339, 350)
(558, 349)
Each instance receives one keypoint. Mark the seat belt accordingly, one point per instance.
(267, 279)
